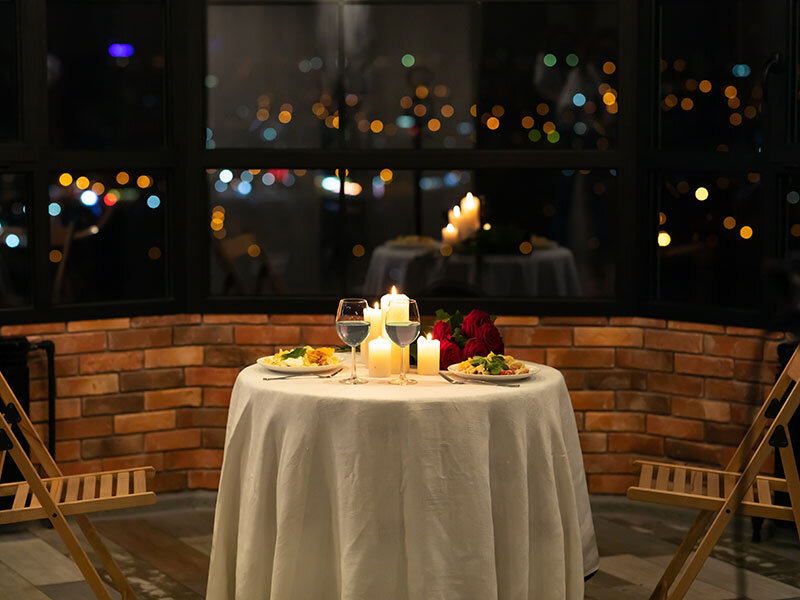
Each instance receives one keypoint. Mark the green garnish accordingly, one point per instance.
(493, 363)
(296, 353)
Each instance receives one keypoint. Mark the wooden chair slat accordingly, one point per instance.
(729, 480)
(89, 487)
(748, 495)
(764, 494)
(21, 497)
(712, 484)
(80, 507)
(73, 488)
(106, 486)
(56, 489)
(662, 478)
(140, 481)
(679, 480)
(123, 484)
(34, 500)
(697, 483)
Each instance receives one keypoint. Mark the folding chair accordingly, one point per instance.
(739, 488)
(58, 496)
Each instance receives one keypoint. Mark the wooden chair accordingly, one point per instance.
(56, 496)
(718, 494)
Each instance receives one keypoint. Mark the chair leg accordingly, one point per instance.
(110, 565)
(792, 481)
(80, 557)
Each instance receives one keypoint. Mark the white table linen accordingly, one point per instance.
(379, 492)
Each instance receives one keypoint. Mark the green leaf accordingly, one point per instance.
(296, 353)
(459, 338)
(456, 319)
(493, 318)
(442, 315)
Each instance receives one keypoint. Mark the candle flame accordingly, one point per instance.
(376, 304)
(469, 201)
(450, 228)
(456, 211)
(430, 337)
(394, 290)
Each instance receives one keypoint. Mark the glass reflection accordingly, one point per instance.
(15, 246)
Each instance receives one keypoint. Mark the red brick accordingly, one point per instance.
(202, 417)
(535, 355)
(320, 336)
(249, 354)
(724, 433)
(673, 340)
(701, 409)
(579, 419)
(694, 452)
(99, 324)
(616, 379)
(66, 365)
(37, 411)
(225, 319)
(212, 376)
(201, 458)
(32, 329)
(139, 338)
(70, 450)
(610, 484)
(106, 362)
(203, 334)
(149, 421)
(204, 480)
(771, 351)
(743, 414)
(165, 321)
(161, 399)
(650, 360)
(574, 320)
(88, 385)
(608, 336)
(580, 357)
(592, 400)
(109, 405)
(738, 347)
(173, 481)
(593, 442)
(113, 463)
(230, 356)
(614, 421)
(508, 320)
(746, 331)
(216, 397)
(702, 327)
(152, 379)
(575, 379)
(537, 336)
(722, 389)
(674, 427)
(608, 463)
(79, 343)
(84, 427)
(301, 319)
(172, 440)
(68, 408)
(267, 334)
(38, 389)
(637, 322)
(704, 365)
(636, 442)
(79, 467)
(670, 383)
(173, 357)
(748, 370)
(214, 438)
(118, 445)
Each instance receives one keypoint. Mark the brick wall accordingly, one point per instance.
(155, 390)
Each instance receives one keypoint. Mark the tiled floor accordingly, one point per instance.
(164, 552)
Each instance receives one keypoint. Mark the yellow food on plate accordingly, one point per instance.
(304, 356)
(492, 364)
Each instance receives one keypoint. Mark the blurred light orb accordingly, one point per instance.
(793, 197)
(123, 178)
(572, 59)
(89, 198)
(270, 134)
(120, 50)
(549, 60)
(664, 239)
(746, 232)
(12, 240)
(220, 186)
(741, 70)
(65, 179)
(268, 179)
(153, 201)
(82, 183)
(226, 175)
(579, 128)
(701, 194)
(579, 99)
(244, 188)
(54, 209)
(729, 223)
(408, 60)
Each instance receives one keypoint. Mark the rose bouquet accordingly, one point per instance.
(463, 337)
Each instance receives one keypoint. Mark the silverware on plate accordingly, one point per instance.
(326, 376)
(459, 382)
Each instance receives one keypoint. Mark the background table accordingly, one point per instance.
(546, 272)
(436, 491)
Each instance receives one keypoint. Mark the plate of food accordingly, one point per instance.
(304, 359)
(493, 367)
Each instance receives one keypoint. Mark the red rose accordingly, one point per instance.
(474, 347)
(442, 330)
(473, 321)
(490, 336)
(449, 354)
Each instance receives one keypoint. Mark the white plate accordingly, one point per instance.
(532, 369)
(281, 369)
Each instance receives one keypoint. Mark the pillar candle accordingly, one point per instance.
(373, 317)
(379, 357)
(397, 314)
(470, 213)
(450, 234)
(456, 220)
(427, 356)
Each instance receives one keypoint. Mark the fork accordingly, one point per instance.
(326, 376)
(457, 382)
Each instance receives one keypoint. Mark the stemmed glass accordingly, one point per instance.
(352, 329)
(402, 327)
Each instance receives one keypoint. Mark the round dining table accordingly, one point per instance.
(435, 491)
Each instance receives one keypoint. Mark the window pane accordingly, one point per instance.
(711, 57)
(548, 75)
(274, 232)
(709, 239)
(108, 236)
(410, 80)
(272, 74)
(9, 110)
(557, 242)
(106, 74)
(15, 247)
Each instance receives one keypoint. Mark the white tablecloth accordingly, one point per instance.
(378, 492)
(546, 272)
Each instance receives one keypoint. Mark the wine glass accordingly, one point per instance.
(402, 327)
(353, 329)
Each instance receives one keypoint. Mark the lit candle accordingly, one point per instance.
(427, 356)
(373, 317)
(450, 234)
(379, 357)
(397, 313)
(385, 300)
(470, 213)
(455, 218)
